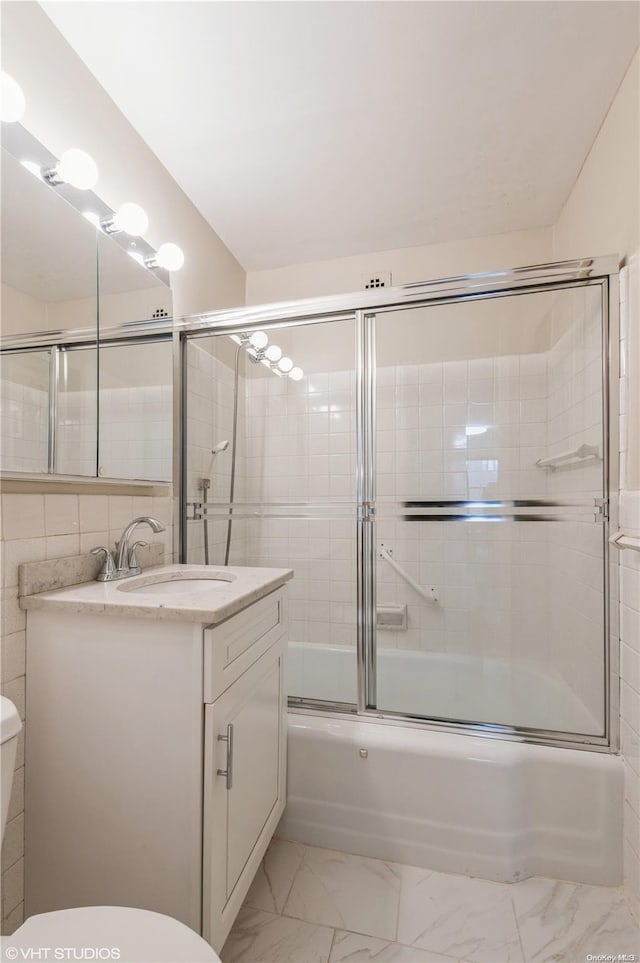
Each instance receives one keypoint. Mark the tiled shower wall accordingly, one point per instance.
(574, 577)
(458, 429)
(23, 427)
(36, 527)
(135, 432)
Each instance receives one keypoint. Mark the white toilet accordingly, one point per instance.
(138, 936)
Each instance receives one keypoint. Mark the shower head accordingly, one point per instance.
(221, 446)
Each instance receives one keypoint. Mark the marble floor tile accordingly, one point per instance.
(565, 922)
(349, 892)
(471, 919)
(273, 880)
(354, 948)
(259, 937)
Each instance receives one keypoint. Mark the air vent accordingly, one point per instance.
(160, 313)
(380, 280)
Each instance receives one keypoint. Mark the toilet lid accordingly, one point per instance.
(139, 935)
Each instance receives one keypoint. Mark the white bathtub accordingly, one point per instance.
(455, 803)
(447, 686)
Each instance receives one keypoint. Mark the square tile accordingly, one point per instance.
(458, 916)
(350, 892)
(564, 922)
(272, 882)
(259, 937)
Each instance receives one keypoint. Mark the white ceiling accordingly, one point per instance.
(305, 131)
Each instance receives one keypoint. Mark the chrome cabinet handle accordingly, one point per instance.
(228, 772)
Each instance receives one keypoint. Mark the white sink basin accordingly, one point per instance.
(172, 584)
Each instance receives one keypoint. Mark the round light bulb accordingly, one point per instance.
(273, 353)
(12, 100)
(296, 374)
(131, 218)
(78, 169)
(258, 340)
(170, 257)
(285, 364)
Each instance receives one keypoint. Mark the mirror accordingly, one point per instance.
(89, 406)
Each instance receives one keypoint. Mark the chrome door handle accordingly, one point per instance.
(228, 772)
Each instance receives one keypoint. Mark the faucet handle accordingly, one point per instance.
(108, 571)
(134, 564)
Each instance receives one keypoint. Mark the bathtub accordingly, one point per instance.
(454, 803)
(446, 686)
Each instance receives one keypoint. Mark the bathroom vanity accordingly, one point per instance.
(156, 748)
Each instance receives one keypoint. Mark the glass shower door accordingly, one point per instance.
(489, 486)
(290, 457)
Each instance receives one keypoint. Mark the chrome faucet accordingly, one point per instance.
(125, 563)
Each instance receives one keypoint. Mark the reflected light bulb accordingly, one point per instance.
(12, 102)
(131, 218)
(273, 353)
(78, 169)
(258, 340)
(296, 374)
(285, 364)
(170, 257)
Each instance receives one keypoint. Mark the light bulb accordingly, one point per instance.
(131, 218)
(258, 340)
(78, 169)
(12, 102)
(273, 353)
(170, 257)
(296, 374)
(92, 217)
(285, 364)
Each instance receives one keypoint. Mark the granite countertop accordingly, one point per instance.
(224, 591)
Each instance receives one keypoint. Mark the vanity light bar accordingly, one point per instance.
(270, 355)
(78, 169)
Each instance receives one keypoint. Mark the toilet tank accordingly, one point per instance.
(10, 727)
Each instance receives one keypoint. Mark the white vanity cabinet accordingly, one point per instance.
(245, 758)
(156, 760)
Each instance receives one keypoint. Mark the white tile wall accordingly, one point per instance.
(135, 432)
(37, 527)
(23, 427)
(467, 429)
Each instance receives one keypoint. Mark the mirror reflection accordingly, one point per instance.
(90, 406)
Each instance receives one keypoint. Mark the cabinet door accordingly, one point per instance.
(240, 818)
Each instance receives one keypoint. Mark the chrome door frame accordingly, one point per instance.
(362, 307)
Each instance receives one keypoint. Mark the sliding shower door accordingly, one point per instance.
(280, 491)
(489, 484)
(437, 475)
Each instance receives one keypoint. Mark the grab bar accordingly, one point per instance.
(429, 594)
(620, 540)
(578, 454)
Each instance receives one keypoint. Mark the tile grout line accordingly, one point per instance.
(333, 939)
(517, 922)
(295, 876)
